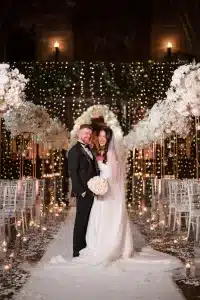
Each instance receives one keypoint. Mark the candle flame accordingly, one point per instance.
(187, 265)
(56, 45)
(169, 45)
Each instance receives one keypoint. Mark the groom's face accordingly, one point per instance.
(85, 135)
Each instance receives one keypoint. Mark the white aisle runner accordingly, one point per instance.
(57, 277)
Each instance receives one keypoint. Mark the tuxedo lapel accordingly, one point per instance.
(85, 153)
(95, 162)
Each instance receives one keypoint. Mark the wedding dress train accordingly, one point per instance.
(57, 276)
(110, 241)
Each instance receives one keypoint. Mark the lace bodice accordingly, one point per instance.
(105, 171)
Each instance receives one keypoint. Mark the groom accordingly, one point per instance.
(82, 167)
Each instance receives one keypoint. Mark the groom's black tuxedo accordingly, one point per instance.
(82, 168)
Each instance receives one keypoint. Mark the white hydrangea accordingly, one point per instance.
(173, 114)
(12, 86)
(27, 118)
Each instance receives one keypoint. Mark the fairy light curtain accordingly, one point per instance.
(130, 89)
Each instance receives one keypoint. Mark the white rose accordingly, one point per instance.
(4, 66)
(3, 80)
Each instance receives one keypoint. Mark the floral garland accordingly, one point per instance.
(22, 117)
(12, 86)
(185, 89)
(110, 120)
(173, 115)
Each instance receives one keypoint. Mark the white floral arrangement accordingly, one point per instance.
(27, 118)
(55, 136)
(22, 117)
(110, 120)
(172, 115)
(12, 86)
(98, 185)
(184, 90)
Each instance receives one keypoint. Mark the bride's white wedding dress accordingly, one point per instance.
(109, 235)
(109, 238)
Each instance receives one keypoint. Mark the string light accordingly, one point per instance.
(130, 88)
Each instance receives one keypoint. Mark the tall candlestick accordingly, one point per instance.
(169, 49)
(57, 51)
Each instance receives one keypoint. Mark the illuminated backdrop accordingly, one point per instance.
(130, 89)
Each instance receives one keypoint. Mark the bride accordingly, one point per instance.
(109, 235)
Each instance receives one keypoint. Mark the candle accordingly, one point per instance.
(56, 46)
(187, 269)
(169, 49)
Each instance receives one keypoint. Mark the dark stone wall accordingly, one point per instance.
(117, 32)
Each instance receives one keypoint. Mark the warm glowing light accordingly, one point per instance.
(169, 45)
(56, 45)
(187, 265)
(4, 244)
(7, 267)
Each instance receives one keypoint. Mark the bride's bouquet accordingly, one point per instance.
(98, 185)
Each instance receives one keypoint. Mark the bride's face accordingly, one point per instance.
(102, 138)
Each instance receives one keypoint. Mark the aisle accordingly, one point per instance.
(146, 276)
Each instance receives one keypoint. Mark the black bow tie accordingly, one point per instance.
(85, 145)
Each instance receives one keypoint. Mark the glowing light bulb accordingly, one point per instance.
(169, 45)
(187, 265)
(6, 267)
(56, 45)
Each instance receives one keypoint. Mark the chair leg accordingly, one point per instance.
(175, 216)
(4, 232)
(23, 223)
(193, 226)
(179, 223)
(197, 229)
(186, 220)
(9, 229)
(189, 225)
(31, 213)
(25, 219)
(170, 216)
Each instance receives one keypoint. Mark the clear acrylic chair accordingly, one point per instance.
(194, 207)
(30, 197)
(182, 207)
(173, 191)
(9, 204)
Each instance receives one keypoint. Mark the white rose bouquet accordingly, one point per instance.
(98, 185)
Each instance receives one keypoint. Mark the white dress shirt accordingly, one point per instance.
(90, 155)
(87, 150)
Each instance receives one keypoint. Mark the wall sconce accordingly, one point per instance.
(57, 51)
(169, 49)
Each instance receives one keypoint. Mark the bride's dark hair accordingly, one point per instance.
(108, 134)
